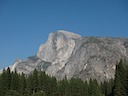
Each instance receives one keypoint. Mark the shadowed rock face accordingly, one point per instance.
(69, 54)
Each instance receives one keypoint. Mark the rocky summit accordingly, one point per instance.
(71, 55)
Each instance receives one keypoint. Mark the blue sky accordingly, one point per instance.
(25, 24)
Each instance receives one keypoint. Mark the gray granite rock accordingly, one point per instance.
(69, 54)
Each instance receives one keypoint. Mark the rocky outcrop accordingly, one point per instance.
(58, 49)
(71, 55)
(59, 45)
(95, 58)
(27, 66)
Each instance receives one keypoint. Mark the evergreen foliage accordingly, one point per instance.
(12, 93)
(120, 80)
(40, 84)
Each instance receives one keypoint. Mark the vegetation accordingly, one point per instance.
(40, 84)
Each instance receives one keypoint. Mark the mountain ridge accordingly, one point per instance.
(69, 54)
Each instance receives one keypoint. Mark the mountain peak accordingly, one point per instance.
(57, 41)
(65, 33)
(15, 64)
(68, 54)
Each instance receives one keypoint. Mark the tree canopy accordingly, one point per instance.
(40, 84)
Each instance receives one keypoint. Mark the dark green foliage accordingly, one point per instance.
(35, 81)
(76, 87)
(12, 93)
(63, 87)
(120, 80)
(107, 87)
(85, 88)
(43, 81)
(94, 88)
(14, 81)
(5, 81)
(52, 86)
(39, 94)
(22, 84)
(29, 85)
(40, 84)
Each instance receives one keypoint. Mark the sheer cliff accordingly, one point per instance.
(69, 54)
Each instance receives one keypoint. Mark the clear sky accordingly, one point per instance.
(25, 24)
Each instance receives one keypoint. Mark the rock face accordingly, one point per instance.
(29, 65)
(59, 45)
(58, 49)
(71, 55)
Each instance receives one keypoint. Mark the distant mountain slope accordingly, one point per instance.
(69, 54)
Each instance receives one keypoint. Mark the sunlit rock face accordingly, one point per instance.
(31, 63)
(71, 55)
(95, 58)
(59, 44)
(58, 49)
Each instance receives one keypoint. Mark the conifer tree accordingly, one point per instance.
(127, 78)
(14, 81)
(22, 84)
(63, 87)
(85, 88)
(3, 83)
(29, 85)
(12, 93)
(35, 81)
(52, 86)
(94, 89)
(120, 80)
(8, 78)
(76, 87)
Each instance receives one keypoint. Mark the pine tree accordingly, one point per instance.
(35, 81)
(127, 77)
(94, 89)
(5, 81)
(109, 88)
(14, 81)
(22, 84)
(76, 87)
(72, 85)
(85, 88)
(8, 78)
(39, 94)
(103, 86)
(40, 84)
(12, 93)
(3, 84)
(43, 83)
(63, 87)
(120, 80)
(52, 86)
(29, 85)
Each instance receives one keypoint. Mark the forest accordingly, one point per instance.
(40, 84)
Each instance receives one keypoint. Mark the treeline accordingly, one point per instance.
(40, 84)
